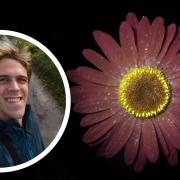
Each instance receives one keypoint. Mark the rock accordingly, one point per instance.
(49, 113)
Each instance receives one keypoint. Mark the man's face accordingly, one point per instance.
(13, 89)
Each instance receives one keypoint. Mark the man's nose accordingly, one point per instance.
(13, 86)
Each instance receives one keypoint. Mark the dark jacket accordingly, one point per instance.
(26, 140)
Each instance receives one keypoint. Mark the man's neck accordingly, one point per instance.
(8, 119)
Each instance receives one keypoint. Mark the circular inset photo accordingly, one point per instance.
(34, 101)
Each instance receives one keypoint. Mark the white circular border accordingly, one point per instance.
(68, 101)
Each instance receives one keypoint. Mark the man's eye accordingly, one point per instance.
(23, 80)
(3, 80)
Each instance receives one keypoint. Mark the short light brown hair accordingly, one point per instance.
(21, 55)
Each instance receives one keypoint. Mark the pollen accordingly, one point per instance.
(144, 92)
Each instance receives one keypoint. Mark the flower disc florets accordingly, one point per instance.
(144, 92)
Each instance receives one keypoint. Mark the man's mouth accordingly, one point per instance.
(13, 99)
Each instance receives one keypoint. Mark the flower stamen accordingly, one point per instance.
(144, 92)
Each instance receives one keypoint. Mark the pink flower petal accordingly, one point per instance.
(132, 20)
(132, 145)
(174, 114)
(172, 68)
(143, 37)
(172, 75)
(80, 93)
(175, 97)
(101, 140)
(91, 106)
(150, 141)
(157, 31)
(119, 137)
(97, 131)
(105, 140)
(173, 49)
(75, 77)
(173, 156)
(108, 137)
(141, 159)
(91, 119)
(111, 49)
(101, 63)
(96, 76)
(128, 42)
(160, 136)
(171, 133)
(171, 30)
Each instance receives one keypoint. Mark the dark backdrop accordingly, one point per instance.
(66, 29)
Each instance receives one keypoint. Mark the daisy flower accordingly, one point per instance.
(131, 100)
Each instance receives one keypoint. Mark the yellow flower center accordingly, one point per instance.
(144, 92)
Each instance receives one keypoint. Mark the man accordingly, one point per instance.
(20, 138)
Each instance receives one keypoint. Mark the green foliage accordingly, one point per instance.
(49, 75)
(45, 69)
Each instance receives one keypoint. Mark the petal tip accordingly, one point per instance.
(97, 33)
(69, 73)
(86, 51)
(131, 15)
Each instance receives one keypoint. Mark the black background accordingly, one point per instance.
(65, 28)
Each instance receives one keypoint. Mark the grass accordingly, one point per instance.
(45, 69)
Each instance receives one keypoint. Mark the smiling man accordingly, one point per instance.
(20, 138)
